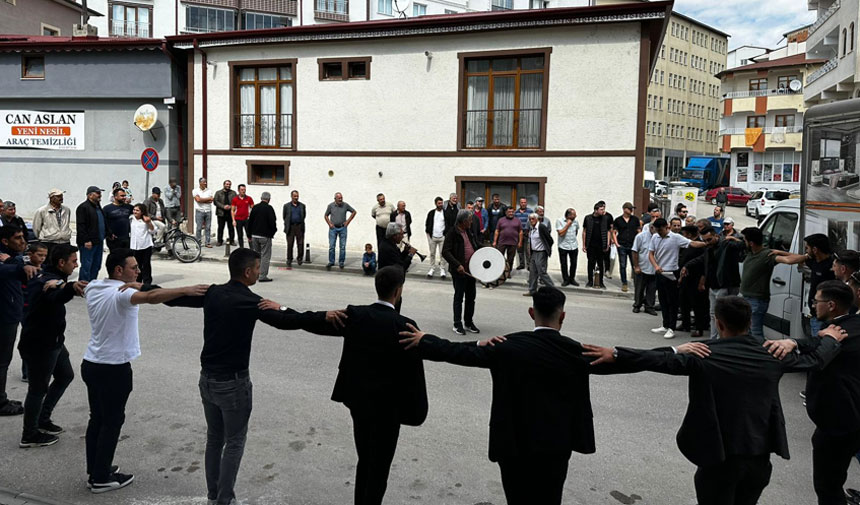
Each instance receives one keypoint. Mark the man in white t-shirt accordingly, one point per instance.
(663, 254)
(112, 305)
(203, 211)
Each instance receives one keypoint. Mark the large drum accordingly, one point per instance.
(487, 265)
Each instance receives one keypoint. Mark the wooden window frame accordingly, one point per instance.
(330, 15)
(461, 95)
(758, 84)
(763, 121)
(459, 181)
(235, 102)
(273, 163)
(111, 3)
(26, 77)
(344, 76)
(782, 82)
(783, 118)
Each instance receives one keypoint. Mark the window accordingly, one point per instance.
(336, 10)
(254, 21)
(509, 189)
(851, 36)
(778, 232)
(758, 84)
(50, 31)
(32, 67)
(128, 20)
(207, 19)
(786, 120)
(342, 69)
(385, 7)
(844, 40)
(755, 121)
(504, 95)
(782, 82)
(663, 52)
(421, 9)
(264, 110)
(498, 5)
(268, 172)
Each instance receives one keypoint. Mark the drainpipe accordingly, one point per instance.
(176, 17)
(204, 106)
(179, 133)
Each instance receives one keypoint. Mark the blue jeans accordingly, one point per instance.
(91, 262)
(815, 325)
(623, 254)
(227, 406)
(759, 309)
(333, 234)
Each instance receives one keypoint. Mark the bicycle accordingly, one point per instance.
(184, 247)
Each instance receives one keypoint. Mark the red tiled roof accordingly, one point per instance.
(789, 61)
(66, 43)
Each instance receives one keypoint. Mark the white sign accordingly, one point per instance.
(30, 129)
(687, 196)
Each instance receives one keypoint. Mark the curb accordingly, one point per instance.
(10, 497)
(281, 265)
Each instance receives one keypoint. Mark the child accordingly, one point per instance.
(37, 253)
(368, 261)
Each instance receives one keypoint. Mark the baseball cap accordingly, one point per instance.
(628, 205)
(156, 190)
(94, 189)
(728, 220)
(56, 192)
(479, 199)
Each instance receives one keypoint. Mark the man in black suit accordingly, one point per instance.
(459, 246)
(262, 226)
(541, 409)
(734, 420)
(381, 383)
(390, 253)
(832, 393)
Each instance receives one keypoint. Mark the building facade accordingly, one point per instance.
(761, 123)
(833, 37)
(67, 114)
(683, 97)
(40, 17)
(480, 103)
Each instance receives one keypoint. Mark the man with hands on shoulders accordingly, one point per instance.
(734, 419)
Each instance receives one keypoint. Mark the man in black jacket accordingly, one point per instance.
(390, 253)
(91, 230)
(458, 248)
(380, 383)
(223, 202)
(832, 394)
(294, 226)
(117, 214)
(402, 217)
(262, 225)
(734, 420)
(42, 345)
(539, 243)
(541, 409)
(451, 210)
(435, 227)
(596, 232)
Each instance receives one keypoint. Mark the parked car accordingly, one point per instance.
(761, 202)
(737, 196)
(661, 188)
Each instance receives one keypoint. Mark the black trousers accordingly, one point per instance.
(226, 220)
(645, 291)
(565, 257)
(537, 480)
(42, 393)
(8, 334)
(595, 260)
(667, 291)
(376, 430)
(108, 389)
(695, 301)
(118, 243)
(831, 457)
(296, 236)
(380, 236)
(242, 226)
(144, 261)
(464, 287)
(739, 480)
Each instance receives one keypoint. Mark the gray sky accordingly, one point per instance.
(749, 22)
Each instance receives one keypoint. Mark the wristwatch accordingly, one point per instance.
(615, 352)
(282, 308)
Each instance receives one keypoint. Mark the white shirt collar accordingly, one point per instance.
(381, 302)
(547, 328)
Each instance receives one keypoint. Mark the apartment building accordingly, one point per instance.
(833, 37)
(684, 97)
(762, 106)
(41, 17)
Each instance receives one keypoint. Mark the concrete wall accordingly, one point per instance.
(410, 104)
(27, 16)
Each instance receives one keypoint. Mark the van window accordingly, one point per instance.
(777, 195)
(779, 230)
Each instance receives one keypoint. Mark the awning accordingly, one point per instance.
(699, 163)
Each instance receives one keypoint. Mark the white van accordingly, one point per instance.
(780, 229)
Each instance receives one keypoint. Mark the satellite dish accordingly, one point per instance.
(795, 85)
(401, 7)
(145, 117)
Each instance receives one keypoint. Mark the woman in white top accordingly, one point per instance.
(140, 236)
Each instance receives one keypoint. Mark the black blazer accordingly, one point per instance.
(408, 230)
(451, 212)
(389, 255)
(262, 221)
(375, 371)
(288, 210)
(734, 407)
(454, 249)
(833, 393)
(541, 403)
(87, 222)
(545, 237)
(720, 264)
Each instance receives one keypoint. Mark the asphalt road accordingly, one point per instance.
(300, 448)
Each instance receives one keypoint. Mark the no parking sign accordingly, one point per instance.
(149, 159)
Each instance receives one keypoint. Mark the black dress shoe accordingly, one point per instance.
(636, 310)
(565, 283)
(589, 285)
(651, 311)
(573, 283)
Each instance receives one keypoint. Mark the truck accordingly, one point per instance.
(829, 203)
(706, 172)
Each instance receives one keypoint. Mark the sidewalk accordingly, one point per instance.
(418, 271)
(9, 497)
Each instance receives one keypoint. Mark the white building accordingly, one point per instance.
(479, 103)
(833, 36)
(744, 55)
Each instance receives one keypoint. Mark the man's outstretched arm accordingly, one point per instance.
(322, 323)
(682, 360)
(156, 296)
(475, 354)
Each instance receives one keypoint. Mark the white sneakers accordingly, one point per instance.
(659, 330)
(667, 333)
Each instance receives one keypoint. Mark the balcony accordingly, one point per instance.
(827, 67)
(765, 130)
(786, 137)
(332, 10)
(824, 17)
(759, 92)
(119, 28)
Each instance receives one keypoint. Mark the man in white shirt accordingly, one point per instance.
(646, 284)
(203, 211)
(112, 305)
(663, 254)
(381, 213)
(434, 226)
